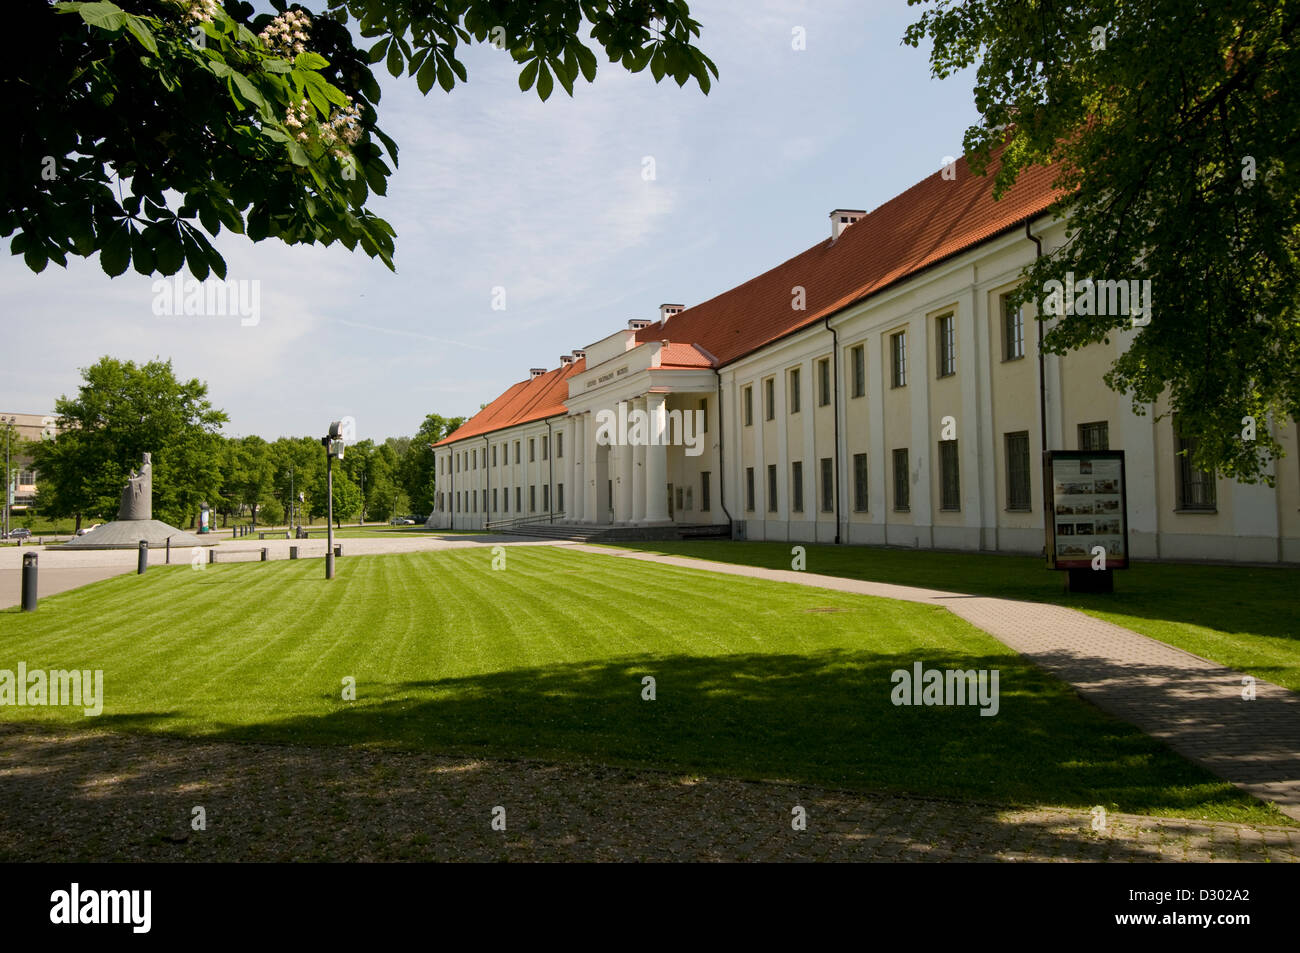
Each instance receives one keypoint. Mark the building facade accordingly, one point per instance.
(878, 388)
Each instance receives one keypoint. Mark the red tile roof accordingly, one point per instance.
(684, 355)
(534, 399)
(935, 219)
(932, 221)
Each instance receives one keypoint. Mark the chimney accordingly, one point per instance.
(667, 310)
(534, 372)
(579, 353)
(842, 218)
(566, 360)
(636, 324)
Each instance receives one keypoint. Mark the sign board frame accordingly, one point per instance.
(1065, 474)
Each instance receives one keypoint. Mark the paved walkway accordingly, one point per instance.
(100, 796)
(61, 570)
(1193, 705)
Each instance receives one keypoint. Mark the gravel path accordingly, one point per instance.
(93, 796)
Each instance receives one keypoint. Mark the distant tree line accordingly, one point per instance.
(123, 410)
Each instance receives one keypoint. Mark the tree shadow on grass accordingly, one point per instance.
(824, 718)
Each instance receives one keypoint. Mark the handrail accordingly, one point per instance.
(523, 520)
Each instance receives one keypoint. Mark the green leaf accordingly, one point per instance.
(309, 60)
(36, 258)
(141, 32)
(380, 49)
(395, 60)
(587, 61)
(106, 16)
(115, 255)
(544, 83)
(528, 75)
(427, 75)
(170, 251)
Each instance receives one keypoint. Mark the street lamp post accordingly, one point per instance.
(8, 422)
(333, 444)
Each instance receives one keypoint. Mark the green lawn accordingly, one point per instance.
(1243, 617)
(546, 658)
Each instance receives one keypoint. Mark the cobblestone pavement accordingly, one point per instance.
(90, 796)
(1193, 705)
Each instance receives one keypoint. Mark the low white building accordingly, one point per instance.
(873, 389)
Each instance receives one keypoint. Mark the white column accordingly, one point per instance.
(638, 471)
(570, 466)
(782, 409)
(925, 432)
(879, 454)
(812, 468)
(623, 483)
(978, 484)
(589, 509)
(656, 461)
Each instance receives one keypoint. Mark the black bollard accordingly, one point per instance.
(263, 554)
(142, 563)
(29, 582)
(338, 550)
(169, 550)
(293, 552)
(212, 555)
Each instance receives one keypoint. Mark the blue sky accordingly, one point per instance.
(546, 200)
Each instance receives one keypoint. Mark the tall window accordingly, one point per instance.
(771, 487)
(860, 482)
(945, 333)
(546, 497)
(494, 500)
(749, 406)
(494, 455)
(559, 447)
(1017, 449)
(796, 486)
(749, 489)
(823, 382)
(1195, 486)
(546, 446)
(769, 399)
(559, 491)
(898, 359)
(704, 491)
(902, 482)
(858, 357)
(794, 390)
(532, 450)
(519, 499)
(1013, 331)
(473, 457)
(516, 451)
(505, 498)
(828, 485)
(949, 476)
(1094, 436)
(532, 498)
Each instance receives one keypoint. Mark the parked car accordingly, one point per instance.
(21, 532)
(400, 521)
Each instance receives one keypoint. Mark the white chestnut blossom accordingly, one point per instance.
(287, 34)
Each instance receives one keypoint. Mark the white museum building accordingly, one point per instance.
(874, 389)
